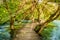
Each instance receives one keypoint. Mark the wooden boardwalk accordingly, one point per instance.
(27, 33)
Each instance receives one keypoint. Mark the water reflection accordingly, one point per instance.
(56, 30)
(4, 33)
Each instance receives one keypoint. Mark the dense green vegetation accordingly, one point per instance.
(17, 13)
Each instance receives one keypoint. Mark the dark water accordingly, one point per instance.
(4, 33)
(56, 30)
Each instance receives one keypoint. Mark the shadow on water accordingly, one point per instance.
(4, 33)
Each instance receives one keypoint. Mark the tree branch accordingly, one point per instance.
(6, 5)
(30, 8)
(51, 18)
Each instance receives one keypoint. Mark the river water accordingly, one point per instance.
(4, 33)
(56, 30)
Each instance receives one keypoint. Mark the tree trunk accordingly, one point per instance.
(12, 29)
(51, 18)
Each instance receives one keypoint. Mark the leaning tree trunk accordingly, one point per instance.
(51, 18)
(12, 19)
(12, 29)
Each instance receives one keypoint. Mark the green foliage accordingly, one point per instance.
(46, 33)
(4, 16)
(57, 1)
(45, 10)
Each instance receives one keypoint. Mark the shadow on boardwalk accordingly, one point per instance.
(27, 33)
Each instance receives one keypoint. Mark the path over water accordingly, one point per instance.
(27, 33)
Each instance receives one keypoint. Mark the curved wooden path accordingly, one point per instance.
(27, 33)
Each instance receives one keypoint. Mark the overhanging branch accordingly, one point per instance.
(51, 18)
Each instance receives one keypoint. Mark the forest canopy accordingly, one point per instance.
(17, 12)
